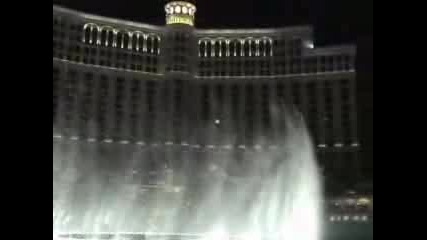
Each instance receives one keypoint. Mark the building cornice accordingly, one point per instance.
(304, 30)
(96, 18)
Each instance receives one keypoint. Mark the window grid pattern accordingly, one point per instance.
(102, 45)
(328, 105)
(222, 57)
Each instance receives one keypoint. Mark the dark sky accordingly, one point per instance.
(334, 21)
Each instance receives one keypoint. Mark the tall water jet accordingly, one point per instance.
(269, 190)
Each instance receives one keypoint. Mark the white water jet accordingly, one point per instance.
(275, 192)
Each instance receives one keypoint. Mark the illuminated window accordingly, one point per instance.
(122, 40)
(246, 48)
(180, 20)
(217, 49)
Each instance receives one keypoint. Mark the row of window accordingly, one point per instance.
(263, 67)
(110, 37)
(76, 51)
(236, 48)
(103, 57)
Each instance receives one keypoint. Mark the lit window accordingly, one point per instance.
(184, 10)
(178, 9)
(179, 20)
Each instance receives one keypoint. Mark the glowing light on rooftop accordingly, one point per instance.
(180, 20)
(180, 12)
(363, 201)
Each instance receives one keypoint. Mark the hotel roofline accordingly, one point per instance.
(305, 32)
(306, 29)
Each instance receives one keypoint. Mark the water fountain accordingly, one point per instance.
(268, 190)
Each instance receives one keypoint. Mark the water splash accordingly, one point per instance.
(275, 192)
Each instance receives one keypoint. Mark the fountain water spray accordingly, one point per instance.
(270, 191)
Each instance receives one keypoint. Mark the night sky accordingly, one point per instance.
(334, 21)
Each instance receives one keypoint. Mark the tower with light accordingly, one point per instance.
(180, 12)
(179, 60)
(179, 40)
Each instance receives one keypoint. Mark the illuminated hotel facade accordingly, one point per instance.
(126, 88)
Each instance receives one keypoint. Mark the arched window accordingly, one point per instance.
(126, 40)
(239, 48)
(94, 35)
(104, 35)
(257, 47)
(140, 41)
(158, 45)
(208, 48)
(202, 48)
(223, 51)
(155, 45)
(268, 47)
(270, 50)
(252, 47)
(122, 40)
(134, 42)
(150, 44)
(233, 50)
(246, 48)
(262, 48)
(87, 34)
(107, 36)
(217, 49)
